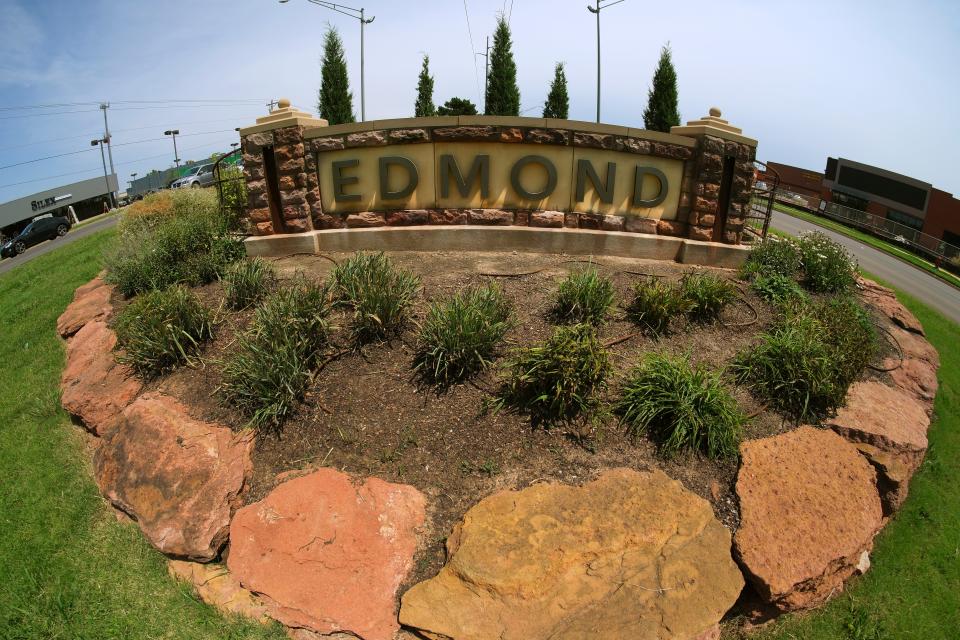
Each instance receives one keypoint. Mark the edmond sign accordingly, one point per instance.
(495, 175)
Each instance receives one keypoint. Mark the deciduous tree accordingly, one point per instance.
(457, 107)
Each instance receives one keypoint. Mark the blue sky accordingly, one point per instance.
(871, 81)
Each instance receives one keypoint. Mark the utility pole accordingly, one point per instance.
(597, 11)
(106, 136)
(356, 14)
(486, 73)
(271, 105)
(103, 158)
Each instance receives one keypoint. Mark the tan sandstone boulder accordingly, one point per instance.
(328, 555)
(219, 588)
(90, 302)
(628, 556)
(94, 387)
(809, 509)
(178, 477)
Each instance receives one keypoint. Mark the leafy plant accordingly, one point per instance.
(827, 266)
(460, 334)
(850, 334)
(247, 281)
(379, 293)
(273, 363)
(773, 256)
(584, 297)
(457, 107)
(556, 381)
(681, 407)
(777, 288)
(706, 295)
(162, 329)
(655, 303)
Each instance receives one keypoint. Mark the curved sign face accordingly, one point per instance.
(496, 175)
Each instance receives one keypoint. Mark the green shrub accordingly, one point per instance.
(777, 288)
(654, 303)
(233, 205)
(706, 295)
(806, 362)
(460, 334)
(188, 247)
(162, 329)
(379, 293)
(274, 359)
(583, 297)
(556, 381)
(827, 266)
(247, 281)
(681, 407)
(773, 256)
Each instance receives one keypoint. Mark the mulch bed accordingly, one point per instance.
(368, 414)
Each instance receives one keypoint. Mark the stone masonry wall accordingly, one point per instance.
(302, 209)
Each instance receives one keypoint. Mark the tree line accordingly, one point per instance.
(335, 101)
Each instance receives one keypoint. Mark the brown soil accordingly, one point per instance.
(367, 413)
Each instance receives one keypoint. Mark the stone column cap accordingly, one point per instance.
(284, 116)
(713, 125)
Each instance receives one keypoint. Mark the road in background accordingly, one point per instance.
(924, 287)
(51, 245)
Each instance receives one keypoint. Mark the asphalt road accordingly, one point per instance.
(919, 284)
(51, 245)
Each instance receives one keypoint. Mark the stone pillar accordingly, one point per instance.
(281, 134)
(719, 144)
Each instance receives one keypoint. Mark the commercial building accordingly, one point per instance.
(87, 198)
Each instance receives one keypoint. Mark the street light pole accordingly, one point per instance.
(357, 14)
(103, 158)
(597, 11)
(176, 158)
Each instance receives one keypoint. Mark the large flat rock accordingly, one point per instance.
(809, 509)
(90, 302)
(178, 477)
(94, 387)
(326, 554)
(628, 556)
(885, 301)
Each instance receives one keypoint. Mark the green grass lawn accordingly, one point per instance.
(71, 571)
(871, 240)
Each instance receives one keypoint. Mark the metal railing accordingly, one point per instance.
(231, 188)
(762, 194)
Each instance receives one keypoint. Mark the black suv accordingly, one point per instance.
(34, 233)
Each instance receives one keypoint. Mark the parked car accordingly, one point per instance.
(36, 232)
(199, 176)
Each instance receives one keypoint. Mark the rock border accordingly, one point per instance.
(883, 425)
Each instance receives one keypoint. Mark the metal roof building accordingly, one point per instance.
(86, 196)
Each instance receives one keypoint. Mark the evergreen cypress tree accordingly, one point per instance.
(558, 102)
(503, 94)
(424, 106)
(661, 112)
(457, 107)
(335, 103)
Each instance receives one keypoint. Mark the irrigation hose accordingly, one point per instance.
(756, 316)
(896, 343)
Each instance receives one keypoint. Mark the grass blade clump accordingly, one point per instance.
(827, 266)
(162, 329)
(273, 363)
(772, 256)
(247, 281)
(460, 334)
(681, 407)
(706, 295)
(379, 293)
(556, 381)
(655, 303)
(583, 297)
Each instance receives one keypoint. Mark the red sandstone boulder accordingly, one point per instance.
(94, 387)
(886, 302)
(90, 302)
(809, 510)
(629, 556)
(328, 555)
(178, 477)
(916, 377)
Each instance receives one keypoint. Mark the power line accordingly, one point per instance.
(55, 113)
(58, 105)
(510, 15)
(59, 155)
(473, 55)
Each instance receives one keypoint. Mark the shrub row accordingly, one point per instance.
(823, 265)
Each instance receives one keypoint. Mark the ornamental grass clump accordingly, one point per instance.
(247, 282)
(772, 256)
(275, 358)
(162, 329)
(461, 334)
(655, 303)
(827, 266)
(777, 288)
(680, 407)
(583, 297)
(379, 293)
(556, 381)
(706, 295)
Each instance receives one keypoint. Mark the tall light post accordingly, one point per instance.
(176, 157)
(600, 6)
(103, 158)
(356, 14)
